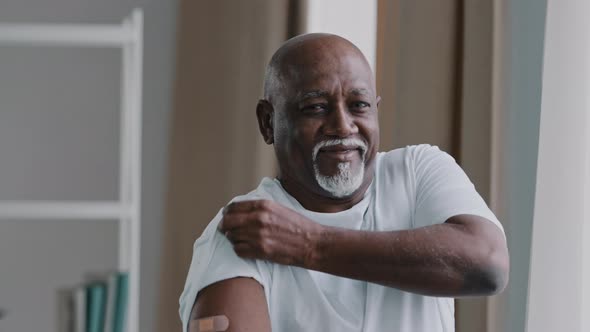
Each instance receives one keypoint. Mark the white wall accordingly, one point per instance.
(517, 106)
(59, 140)
(555, 297)
(355, 20)
(586, 241)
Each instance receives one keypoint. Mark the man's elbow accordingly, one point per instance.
(488, 255)
(494, 272)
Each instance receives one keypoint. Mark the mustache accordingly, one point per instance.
(348, 142)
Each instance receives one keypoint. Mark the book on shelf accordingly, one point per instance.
(99, 305)
(95, 306)
(111, 301)
(121, 299)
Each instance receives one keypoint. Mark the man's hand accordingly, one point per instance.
(464, 256)
(263, 229)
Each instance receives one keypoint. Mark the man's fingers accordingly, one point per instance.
(245, 206)
(233, 221)
(240, 235)
(245, 250)
(237, 207)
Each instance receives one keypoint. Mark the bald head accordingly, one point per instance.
(319, 91)
(305, 53)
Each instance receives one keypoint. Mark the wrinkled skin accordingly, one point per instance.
(324, 89)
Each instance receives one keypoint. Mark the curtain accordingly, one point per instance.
(419, 72)
(435, 74)
(559, 277)
(216, 151)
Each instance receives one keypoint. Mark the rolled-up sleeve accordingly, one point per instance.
(215, 260)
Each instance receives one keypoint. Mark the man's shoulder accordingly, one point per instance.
(411, 149)
(267, 189)
(404, 163)
(409, 154)
(397, 156)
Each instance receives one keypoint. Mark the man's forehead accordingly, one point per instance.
(319, 93)
(313, 65)
(345, 73)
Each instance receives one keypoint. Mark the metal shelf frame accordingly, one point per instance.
(127, 36)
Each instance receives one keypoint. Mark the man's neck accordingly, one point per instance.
(316, 202)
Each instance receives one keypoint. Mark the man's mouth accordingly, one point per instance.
(340, 149)
(340, 153)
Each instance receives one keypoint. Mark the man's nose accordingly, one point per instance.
(340, 122)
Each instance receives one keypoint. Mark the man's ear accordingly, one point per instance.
(378, 100)
(265, 114)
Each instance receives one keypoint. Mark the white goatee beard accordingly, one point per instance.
(347, 180)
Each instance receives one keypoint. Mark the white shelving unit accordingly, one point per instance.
(128, 36)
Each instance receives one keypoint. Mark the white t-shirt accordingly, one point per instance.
(413, 187)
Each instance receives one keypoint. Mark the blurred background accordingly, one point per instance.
(500, 85)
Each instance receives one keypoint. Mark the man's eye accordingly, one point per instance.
(360, 105)
(315, 108)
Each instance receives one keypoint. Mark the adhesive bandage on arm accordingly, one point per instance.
(209, 324)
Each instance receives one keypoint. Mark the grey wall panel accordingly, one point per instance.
(38, 258)
(59, 123)
(69, 150)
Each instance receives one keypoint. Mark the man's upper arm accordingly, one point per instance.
(214, 260)
(241, 300)
(443, 190)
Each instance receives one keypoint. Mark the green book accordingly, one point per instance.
(121, 296)
(111, 301)
(95, 306)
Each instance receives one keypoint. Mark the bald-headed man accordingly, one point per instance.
(345, 238)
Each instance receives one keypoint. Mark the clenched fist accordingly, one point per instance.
(264, 229)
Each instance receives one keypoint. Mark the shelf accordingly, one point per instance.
(63, 210)
(98, 35)
(129, 37)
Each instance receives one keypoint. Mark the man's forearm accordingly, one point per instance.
(462, 257)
